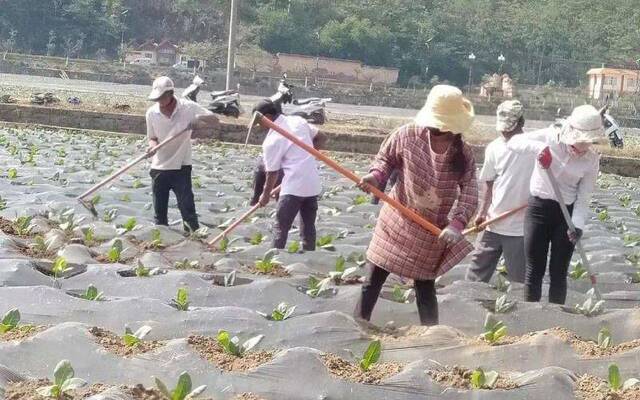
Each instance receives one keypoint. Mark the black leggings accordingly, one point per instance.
(544, 225)
(425, 296)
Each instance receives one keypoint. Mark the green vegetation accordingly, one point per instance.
(494, 330)
(92, 294)
(131, 339)
(10, 320)
(183, 389)
(181, 302)
(371, 356)
(63, 381)
(268, 262)
(282, 312)
(231, 345)
(604, 338)
(481, 379)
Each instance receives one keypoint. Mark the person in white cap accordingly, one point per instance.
(505, 186)
(568, 154)
(171, 165)
(436, 178)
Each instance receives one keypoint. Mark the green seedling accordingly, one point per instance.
(22, 225)
(603, 216)
(591, 306)
(64, 380)
(326, 242)
(503, 305)
(198, 234)
(268, 262)
(360, 200)
(225, 244)
(109, 215)
(483, 380)
(636, 210)
(115, 252)
(230, 279)
(502, 283)
(182, 391)
(615, 380)
(371, 356)
(341, 274)
(129, 225)
(195, 181)
(132, 339)
(40, 245)
(126, 198)
(635, 277)
(95, 200)
(60, 267)
(625, 200)
(494, 330)
(282, 312)
(10, 321)
(186, 264)
(604, 338)
(92, 294)
(360, 259)
(401, 295)
(143, 272)
(232, 346)
(578, 272)
(12, 173)
(257, 239)
(294, 247)
(317, 287)
(3, 204)
(137, 184)
(631, 240)
(181, 302)
(156, 239)
(89, 236)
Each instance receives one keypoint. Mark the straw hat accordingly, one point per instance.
(584, 125)
(447, 110)
(508, 115)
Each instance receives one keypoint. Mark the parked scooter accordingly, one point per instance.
(311, 109)
(192, 91)
(612, 129)
(226, 102)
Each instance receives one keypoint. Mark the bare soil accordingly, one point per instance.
(460, 378)
(593, 388)
(22, 332)
(277, 271)
(209, 349)
(589, 348)
(247, 396)
(7, 227)
(352, 372)
(114, 344)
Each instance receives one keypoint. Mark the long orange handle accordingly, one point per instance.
(240, 220)
(412, 215)
(488, 222)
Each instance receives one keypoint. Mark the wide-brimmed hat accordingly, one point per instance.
(584, 125)
(160, 86)
(508, 115)
(447, 110)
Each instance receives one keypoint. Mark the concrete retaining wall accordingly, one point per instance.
(230, 132)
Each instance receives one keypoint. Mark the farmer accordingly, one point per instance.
(301, 182)
(504, 179)
(171, 165)
(435, 170)
(566, 153)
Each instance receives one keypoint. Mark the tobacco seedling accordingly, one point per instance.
(186, 264)
(625, 200)
(282, 312)
(137, 184)
(10, 320)
(182, 391)
(195, 181)
(493, 330)
(126, 198)
(225, 244)
(615, 380)
(3, 204)
(483, 380)
(604, 338)
(89, 236)
(631, 240)
(129, 225)
(60, 267)
(109, 215)
(131, 338)
(230, 279)
(341, 274)
(401, 295)
(578, 272)
(22, 225)
(156, 239)
(257, 239)
(63, 381)
(294, 247)
(40, 245)
(590, 307)
(268, 262)
(181, 302)
(603, 216)
(360, 200)
(503, 305)
(371, 356)
(12, 173)
(232, 346)
(95, 200)
(326, 242)
(200, 233)
(143, 272)
(317, 287)
(502, 283)
(92, 294)
(115, 252)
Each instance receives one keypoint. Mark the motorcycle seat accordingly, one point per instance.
(223, 93)
(301, 102)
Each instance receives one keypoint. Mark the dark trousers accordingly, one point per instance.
(178, 181)
(393, 177)
(288, 207)
(425, 296)
(544, 225)
(259, 179)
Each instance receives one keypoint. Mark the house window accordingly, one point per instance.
(631, 83)
(611, 81)
(148, 55)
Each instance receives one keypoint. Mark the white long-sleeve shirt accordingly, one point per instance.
(576, 175)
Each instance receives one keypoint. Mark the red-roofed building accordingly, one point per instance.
(163, 53)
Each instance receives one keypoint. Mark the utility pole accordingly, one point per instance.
(232, 42)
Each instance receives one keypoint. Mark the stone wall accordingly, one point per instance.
(231, 132)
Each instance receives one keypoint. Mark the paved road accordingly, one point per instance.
(81, 86)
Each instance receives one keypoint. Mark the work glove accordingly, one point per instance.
(574, 237)
(450, 235)
(544, 158)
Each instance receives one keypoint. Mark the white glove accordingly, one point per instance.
(450, 235)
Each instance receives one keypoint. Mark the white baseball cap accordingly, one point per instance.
(160, 86)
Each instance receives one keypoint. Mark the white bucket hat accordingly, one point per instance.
(447, 110)
(584, 125)
(508, 115)
(160, 86)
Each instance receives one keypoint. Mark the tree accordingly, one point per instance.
(51, 43)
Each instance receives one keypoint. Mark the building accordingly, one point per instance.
(163, 53)
(605, 82)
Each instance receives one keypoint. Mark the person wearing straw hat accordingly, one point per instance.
(171, 165)
(567, 153)
(436, 178)
(505, 186)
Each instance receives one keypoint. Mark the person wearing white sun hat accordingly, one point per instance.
(436, 178)
(567, 152)
(171, 165)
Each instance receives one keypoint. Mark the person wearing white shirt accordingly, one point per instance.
(171, 165)
(505, 177)
(301, 182)
(568, 154)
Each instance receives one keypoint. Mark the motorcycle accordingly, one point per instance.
(226, 102)
(612, 129)
(311, 109)
(192, 91)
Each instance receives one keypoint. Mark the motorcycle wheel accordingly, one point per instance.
(232, 111)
